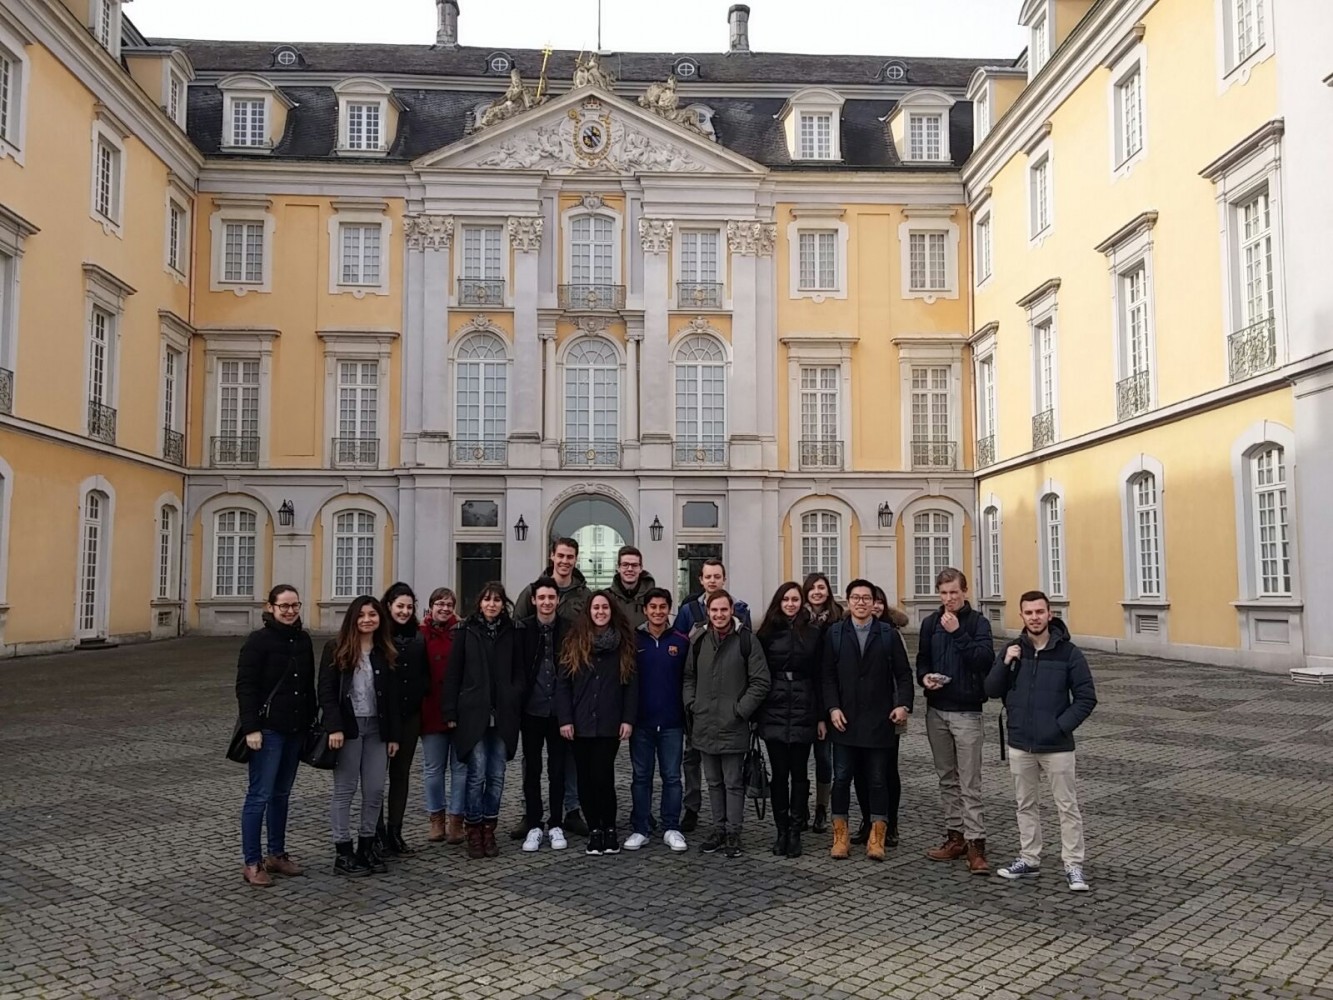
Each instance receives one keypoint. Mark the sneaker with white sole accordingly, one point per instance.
(1018, 868)
(675, 840)
(635, 841)
(557, 839)
(533, 841)
(1074, 876)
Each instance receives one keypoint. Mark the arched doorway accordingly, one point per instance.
(600, 526)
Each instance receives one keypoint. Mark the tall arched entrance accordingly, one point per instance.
(600, 526)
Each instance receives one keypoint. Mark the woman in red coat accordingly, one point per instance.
(437, 756)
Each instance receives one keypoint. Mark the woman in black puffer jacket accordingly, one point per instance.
(412, 682)
(789, 718)
(275, 691)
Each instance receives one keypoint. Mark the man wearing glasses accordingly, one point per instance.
(629, 590)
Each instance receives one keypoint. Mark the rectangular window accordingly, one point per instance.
(986, 381)
(932, 549)
(1134, 289)
(99, 357)
(1055, 545)
(593, 249)
(8, 91)
(1147, 536)
(1045, 360)
(1256, 259)
(360, 254)
(105, 22)
(1250, 32)
(172, 371)
(699, 255)
(816, 137)
(1041, 44)
(166, 545)
(243, 253)
(249, 126)
(924, 137)
(819, 260)
(238, 400)
(358, 400)
(983, 248)
(1269, 473)
(930, 417)
(363, 125)
(234, 554)
(1129, 114)
(821, 537)
(819, 404)
(353, 553)
(991, 547)
(1040, 180)
(928, 262)
(176, 237)
(981, 117)
(482, 249)
(175, 97)
(106, 189)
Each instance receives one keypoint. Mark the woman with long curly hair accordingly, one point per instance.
(358, 695)
(597, 701)
(824, 611)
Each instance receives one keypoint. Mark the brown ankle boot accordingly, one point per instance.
(436, 827)
(256, 876)
(281, 864)
(489, 847)
(875, 844)
(453, 829)
(976, 857)
(476, 843)
(953, 848)
(842, 841)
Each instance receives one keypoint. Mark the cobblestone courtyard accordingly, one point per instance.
(1207, 792)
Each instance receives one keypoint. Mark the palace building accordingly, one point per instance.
(341, 314)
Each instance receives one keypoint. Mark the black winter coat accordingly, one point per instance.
(964, 655)
(867, 686)
(272, 654)
(486, 678)
(412, 668)
(792, 707)
(1047, 694)
(335, 696)
(596, 702)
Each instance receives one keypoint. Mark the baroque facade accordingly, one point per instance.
(410, 311)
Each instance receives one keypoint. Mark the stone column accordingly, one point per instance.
(525, 239)
(748, 242)
(633, 340)
(550, 394)
(426, 390)
(656, 428)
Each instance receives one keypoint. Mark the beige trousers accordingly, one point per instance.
(1027, 770)
(955, 744)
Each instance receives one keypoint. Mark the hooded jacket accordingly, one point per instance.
(865, 686)
(1047, 693)
(693, 614)
(433, 645)
(661, 670)
(723, 690)
(276, 660)
(790, 711)
(485, 681)
(572, 598)
(964, 655)
(631, 604)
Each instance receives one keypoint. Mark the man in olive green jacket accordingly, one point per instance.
(726, 680)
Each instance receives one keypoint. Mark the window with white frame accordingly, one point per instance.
(1053, 545)
(481, 397)
(1044, 362)
(928, 252)
(931, 421)
(362, 248)
(168, 530)
(925, 137)
(95, 528)
(1272, 559)
(986, 398)
(353, 553)
(701, 400)
(358, 403)
(101, 364)
(592, 393)
(592, 250)
(175, 106)
(1129, 123)
(238, 411)
(1256, 257)
(820, 389)
(819, 260)
(1039, 183)
(8, 321)
(700, 281)
(992, 579)
(13, 84)
(932, 549)
(1249, 30)
(816, 136)
(1135, 328)
(1146, 535)
(173, 395)
(981, 116)
(243, 249)
(178, 236)
(821, 546)
(106, 24)
(1039, 49)
(249, 121)
(235, 536)
(108, 162)
(481, 278)
(982, 247)
(365, 126)
(241, 231)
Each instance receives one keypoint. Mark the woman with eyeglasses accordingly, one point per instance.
(824, 611)
(275, 692)
(413, 679)
(359, 698)
(438, 759)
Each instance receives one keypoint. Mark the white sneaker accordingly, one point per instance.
(675, 840)
(557, 838)
(635, 841)
(533, 841)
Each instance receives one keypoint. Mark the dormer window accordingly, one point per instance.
(816, 137)
(925, 136)
(367, 114)
(104, 19)
(979, 93)
(287, 57)
(249, 121)
(254, 114)
(812, 122)
(919, 126)
(895, 72)
(686, 69)
(177, 73)
(1038, 16)
(499, 63)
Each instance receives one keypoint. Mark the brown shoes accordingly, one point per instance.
(875, 844)
(953, 848)
(489, 847)
(976, 857)
(280, 864)
(256, 876)
(842, 841)
(476, 842)
(437, 831)
(453, 829)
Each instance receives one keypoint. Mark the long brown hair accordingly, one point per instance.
(576, 653)
(347, 647)
(831, 607)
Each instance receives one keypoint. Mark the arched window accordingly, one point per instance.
(481, 415)
(821, 546)
(1053, 545)
(353, 553)
(1145, 529)
(168, 530)
(92, 565)
(1268, 503)
(592, 400)
(235, 534)
(992, 581)
(592, 245)
(701, 400)
(932, 548)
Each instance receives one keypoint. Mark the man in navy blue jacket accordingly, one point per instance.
(1048, 693)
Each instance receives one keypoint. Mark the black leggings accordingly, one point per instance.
(400, 769)
(790, 787)
(538, 733)
(595, 761)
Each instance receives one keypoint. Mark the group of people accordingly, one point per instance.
(570, 674)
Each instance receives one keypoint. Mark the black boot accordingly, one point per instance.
(347, 862)
(369, 857)
(689, 821)
(820, 824)
(400, 846)
(862, 833)
(782, 821)
(573, 823)
(383, 845)
(794, 843)
(891, 839)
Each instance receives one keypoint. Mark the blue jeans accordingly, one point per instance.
(272, 773)
(485, 777)
(665, 748)
(437, 759)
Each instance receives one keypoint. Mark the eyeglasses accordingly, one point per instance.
(289, 607)
(861, 599)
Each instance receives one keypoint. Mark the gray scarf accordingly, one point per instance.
(605, 640)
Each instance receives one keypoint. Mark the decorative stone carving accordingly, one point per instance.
(513, 101)
(590, 139)
(592, 202)
(662, 101)
(655, 235)
(589, 73)
(429, 232)
(699, 324)
(525, 233)
(480, 323)
(592, 325)
(752, 238)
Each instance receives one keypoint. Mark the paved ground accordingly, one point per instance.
(1208, 795)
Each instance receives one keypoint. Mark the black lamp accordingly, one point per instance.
(520, 529)
(286, 514)
(655, 529)
(885, 515)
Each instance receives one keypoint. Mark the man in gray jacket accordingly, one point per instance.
(726, 680)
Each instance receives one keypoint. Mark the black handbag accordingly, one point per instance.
(756, 775)
(238, 750)
(315, 749)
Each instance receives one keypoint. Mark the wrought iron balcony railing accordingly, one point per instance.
(480, 451)
(234, 449)
(699, 294)
(481, 292)
(592, 297)
(1133, 395)
(1043, 429)
(985, 451)
(821, 454)
(709, 452)
(173, 446)
(356, 451)
(934, 454)
(101, 422)
(590, 454)
(1253, 350)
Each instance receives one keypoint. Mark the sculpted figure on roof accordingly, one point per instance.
(662, 101)
(589, 73)
(517, 99)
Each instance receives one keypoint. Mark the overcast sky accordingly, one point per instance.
(980, 28)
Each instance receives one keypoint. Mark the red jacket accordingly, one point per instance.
(439, 641)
